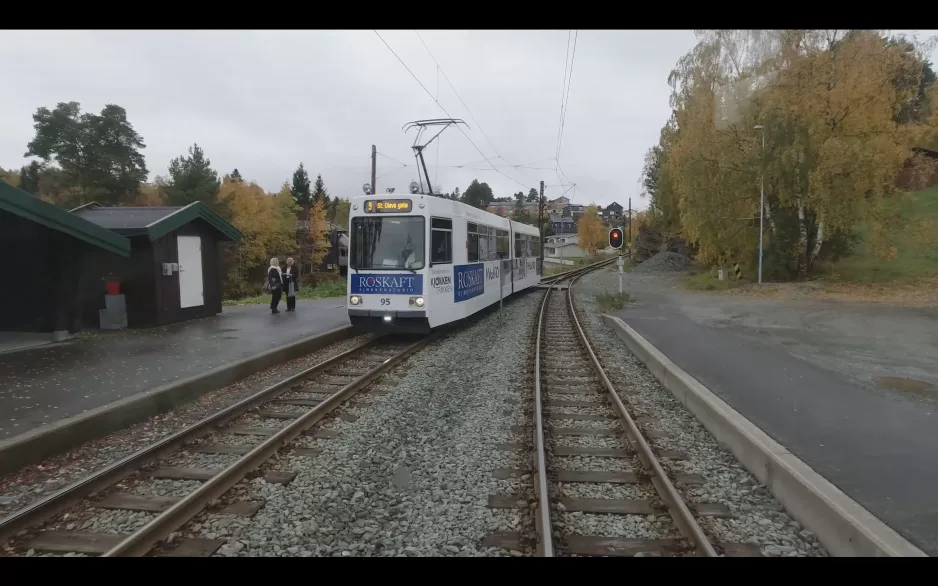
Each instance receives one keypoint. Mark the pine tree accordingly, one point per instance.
(191, 179)
(300, 190)
(319, 191)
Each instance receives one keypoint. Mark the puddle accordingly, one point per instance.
(908, 385)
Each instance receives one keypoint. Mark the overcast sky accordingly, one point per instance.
(264, 101)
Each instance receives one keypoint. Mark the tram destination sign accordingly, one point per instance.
(387, 206)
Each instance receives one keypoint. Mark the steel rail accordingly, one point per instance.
(39, 511)
(542, 522)
(142, 541)
(677, 508)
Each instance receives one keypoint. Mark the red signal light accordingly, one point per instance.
(615, 238)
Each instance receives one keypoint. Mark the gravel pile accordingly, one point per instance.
(34, 482)
(664, 262)
(758, 517)
(411, 476)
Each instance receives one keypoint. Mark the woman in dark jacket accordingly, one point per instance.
(274, 284)
(291, 284)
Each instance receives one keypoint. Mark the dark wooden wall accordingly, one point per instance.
(167, 287)
(135, 276)
(52, 278)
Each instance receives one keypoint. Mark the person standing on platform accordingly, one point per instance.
(274, 284)
(291, 284)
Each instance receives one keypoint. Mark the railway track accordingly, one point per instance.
(240, 439)
(591, 456)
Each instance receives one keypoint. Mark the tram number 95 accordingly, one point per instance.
(385, 301)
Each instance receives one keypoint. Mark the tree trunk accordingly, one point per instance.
(818, 241)
(802, 241)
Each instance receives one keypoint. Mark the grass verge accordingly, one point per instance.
(705, 279)
(612, 301)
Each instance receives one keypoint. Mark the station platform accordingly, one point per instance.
(48, 383)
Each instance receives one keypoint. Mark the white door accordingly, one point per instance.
(190, 271)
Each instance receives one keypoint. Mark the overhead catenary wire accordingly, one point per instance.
(447, 113)
(440, 70)
(566, 98)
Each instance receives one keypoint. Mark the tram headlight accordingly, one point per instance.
(354, 299)
(418, 301)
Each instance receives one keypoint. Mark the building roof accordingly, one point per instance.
(24, 205)
(154, 221)
(613, 206)
(555, 217)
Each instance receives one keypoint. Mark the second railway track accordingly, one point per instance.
(595, 471)
(239, 440)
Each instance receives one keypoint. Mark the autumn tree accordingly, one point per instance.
(590, 230)
(827, 103)
(268, 223)
(191, 178)
(10, 177)
(99, 153)
(150, 195)
(314, 244)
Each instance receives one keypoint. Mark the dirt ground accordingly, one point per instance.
(923, 293)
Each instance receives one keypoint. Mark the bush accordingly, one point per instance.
(612, 301)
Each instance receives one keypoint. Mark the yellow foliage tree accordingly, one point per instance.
(150, 195)
(827, 102)
(10, 177)
(590, 230)
(268, 223)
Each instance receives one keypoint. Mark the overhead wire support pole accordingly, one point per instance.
(422, 125)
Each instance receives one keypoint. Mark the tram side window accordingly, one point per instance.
(441, 241)
(481, 242)
(472, 243)
(501, 243)
(484, 248)
(519, 245)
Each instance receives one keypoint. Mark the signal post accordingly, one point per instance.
(615, 241)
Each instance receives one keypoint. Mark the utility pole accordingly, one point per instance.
(630, 226)
(540, 224)
(374, 167)
(761, 199)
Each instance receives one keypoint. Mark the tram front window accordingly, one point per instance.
(388, 243)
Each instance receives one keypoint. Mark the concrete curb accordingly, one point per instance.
(55, 438)
(843, 526)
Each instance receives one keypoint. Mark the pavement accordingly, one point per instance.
(43, 385)
(851, 389)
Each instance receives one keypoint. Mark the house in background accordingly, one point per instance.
(557, 205)
(174, 271)
(574, 210)
(562, 249)
(612, 212)
(560, 224)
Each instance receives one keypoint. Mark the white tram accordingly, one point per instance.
(418, 262)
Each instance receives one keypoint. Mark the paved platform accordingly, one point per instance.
(810, 375)
(43, 385)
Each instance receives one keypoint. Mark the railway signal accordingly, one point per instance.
(615, 238)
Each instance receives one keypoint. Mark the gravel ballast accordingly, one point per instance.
(758, 518)
(37, 481)
(412, 475)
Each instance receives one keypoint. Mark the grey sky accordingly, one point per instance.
(263, 101)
